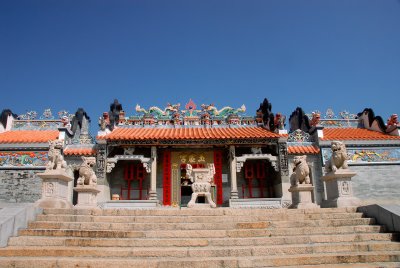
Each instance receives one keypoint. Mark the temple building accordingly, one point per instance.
(145, 159)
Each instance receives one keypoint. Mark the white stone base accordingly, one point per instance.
(339, 189)
(209, 202)
(200, 206)
(268, 203)
(55, 192)
(87, 196)
(130, 204)
(53, 203)
(302, 196)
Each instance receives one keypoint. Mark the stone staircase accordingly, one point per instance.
(221, 237)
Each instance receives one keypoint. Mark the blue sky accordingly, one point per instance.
(339, 54)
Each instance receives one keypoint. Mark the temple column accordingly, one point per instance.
(284, 172)
(153, 174)
(232, 164)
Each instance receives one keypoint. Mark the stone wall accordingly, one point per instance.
(377, 183)
(20, 186)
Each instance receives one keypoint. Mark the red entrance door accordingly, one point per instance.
(134, 175)
(255, 175)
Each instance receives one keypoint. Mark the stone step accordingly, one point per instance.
(195, 219)
(274, 261)
(171, 263)
(195, 212)
(196, 242)
(305, 231)
(294, 260)
(352, 265)
(180, 252)
(203, 233)
(198, 226)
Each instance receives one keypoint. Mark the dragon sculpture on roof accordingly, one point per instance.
(224, 111)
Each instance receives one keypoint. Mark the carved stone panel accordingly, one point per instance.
(101, 162)
(283, 159)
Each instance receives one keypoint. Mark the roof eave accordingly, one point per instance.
(24, 146)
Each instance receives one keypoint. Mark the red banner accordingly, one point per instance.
(167, 178)
(218, 176)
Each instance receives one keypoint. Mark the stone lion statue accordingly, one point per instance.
(86, 173)
(301, 170)
(316, 117)
(56, 159)
(339, 157)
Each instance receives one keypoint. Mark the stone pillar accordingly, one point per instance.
(301, 196)
(55, 189)
(339, 189)
(232, 165)
(153, 174)
(284, 172)
(102, 183)
(87, 196)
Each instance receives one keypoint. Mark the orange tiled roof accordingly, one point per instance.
(355, 134)
(308, 149)
(28, 136)
(79, 151)
(189, 133)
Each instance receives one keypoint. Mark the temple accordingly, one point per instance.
(198, 154)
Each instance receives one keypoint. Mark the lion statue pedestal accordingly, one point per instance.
(301, 196)
(339, 189)
(87, 196)
(301, 187)
(337, 179)
(54, 189)
(55, 180)
(87, 184)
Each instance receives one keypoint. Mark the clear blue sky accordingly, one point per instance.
(340, 54)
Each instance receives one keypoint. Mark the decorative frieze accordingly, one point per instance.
(367, 155)
(12, 159)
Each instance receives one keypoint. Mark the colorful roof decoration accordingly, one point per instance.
(308, 149)
(299, 136)
(28, 136)
(189, 133)
(31, 121)
(172, 115)
(355, 134)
